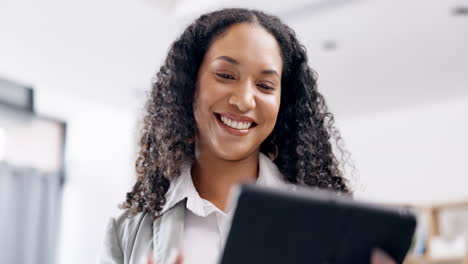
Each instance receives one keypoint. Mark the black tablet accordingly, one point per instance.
(279, 227)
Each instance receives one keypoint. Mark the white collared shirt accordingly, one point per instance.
(205, 226)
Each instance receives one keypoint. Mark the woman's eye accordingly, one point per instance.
(225, 76)
(264, 86)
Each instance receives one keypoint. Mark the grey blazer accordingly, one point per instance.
(132, 240)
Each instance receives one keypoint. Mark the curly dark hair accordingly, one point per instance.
(302, 134)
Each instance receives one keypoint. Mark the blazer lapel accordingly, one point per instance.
(168, 232)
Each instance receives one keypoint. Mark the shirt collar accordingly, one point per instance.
(268, 173)
(182, 187)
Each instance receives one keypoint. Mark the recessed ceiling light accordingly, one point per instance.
(460, 11)
(329, 45)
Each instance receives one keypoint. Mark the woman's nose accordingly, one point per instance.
(243, 98)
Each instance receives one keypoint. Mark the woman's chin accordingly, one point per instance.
(235, 154)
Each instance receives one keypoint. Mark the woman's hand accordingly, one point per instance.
(176, 258)
(380, 257)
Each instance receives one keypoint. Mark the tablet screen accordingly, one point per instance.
(272, 226)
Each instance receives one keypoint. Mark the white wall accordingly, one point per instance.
(414, 154)
(99, 162)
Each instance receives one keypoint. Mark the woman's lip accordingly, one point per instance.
(238, 118)
(233, 131)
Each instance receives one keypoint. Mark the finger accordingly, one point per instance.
(380, 257)
(150, 259)
(175, 257)
(179, 259)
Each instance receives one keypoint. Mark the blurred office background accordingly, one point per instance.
(394, 73)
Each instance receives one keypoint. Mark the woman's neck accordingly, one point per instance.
(214, 177)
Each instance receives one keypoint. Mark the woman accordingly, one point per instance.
(235, 101)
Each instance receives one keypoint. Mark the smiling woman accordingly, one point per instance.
(238, 94)
(234, 90)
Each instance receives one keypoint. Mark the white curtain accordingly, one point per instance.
(29, 215)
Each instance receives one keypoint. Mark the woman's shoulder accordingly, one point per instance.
(123, 232)
(126, 225)
(125, 221)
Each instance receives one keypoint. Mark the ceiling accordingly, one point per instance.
(370, 55)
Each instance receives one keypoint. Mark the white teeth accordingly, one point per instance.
(235, 124)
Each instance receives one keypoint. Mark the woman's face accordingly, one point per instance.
(238, 92)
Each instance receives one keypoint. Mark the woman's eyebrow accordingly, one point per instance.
(235, 62)
(228, 59)
(270, 72)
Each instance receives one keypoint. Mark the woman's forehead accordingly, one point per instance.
(247, 43)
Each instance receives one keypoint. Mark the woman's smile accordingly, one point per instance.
(235, 125)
